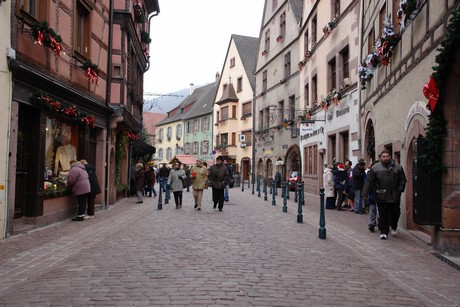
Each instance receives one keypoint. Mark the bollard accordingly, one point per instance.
(160, 196)
(274, 195)
(270, 183)
(275, 187)
(242, 185)
(258, 187)
(299, 206)
(322, 219)
(284, 186)
(249, 183)
(287, 190)
(296, 194)
(252, 177)
(265, 189)
(302, 195)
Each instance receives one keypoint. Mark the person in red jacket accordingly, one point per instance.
(78, 182)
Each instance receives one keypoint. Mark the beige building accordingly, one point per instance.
(233, 118)
(277, 103)
(393, 108)
(328, 87)
(5, 111)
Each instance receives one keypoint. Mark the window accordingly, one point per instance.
(382, 16)
(160, 154)
(204, 148)
(274, 4)
(305, 43)
(344, 145)
(283, 24)
(233, 111)
(314, 90)
(224, 139)
(82, 29)
(370, 41)
(280, 112)
(333, 148)
(335, 8)
(247, 109)
(261, 119)
(187, 148)
(307, 95)
(314, 29)
(189, 127)
(168, 153)
(332, 70)
(205, 124)
(292, 107)
(267, 40)
(311, 160)
(345, 59)
(169, 133)
(247, 137)
(34, 8)
(267, 118)
(233, 138)
(232, 62)
(196, 126)
(264, 81)
(224, 113)
(287, 65)
(394, 15)
(239, 84)
(160, 134)
(217, 116)
(195, 148)
(178, 131)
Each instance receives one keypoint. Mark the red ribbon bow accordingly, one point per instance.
(431, 92)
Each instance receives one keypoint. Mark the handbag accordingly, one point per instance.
(184, 184)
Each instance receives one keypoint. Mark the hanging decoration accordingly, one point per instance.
(436, 130)
(63, 108)
(46, 36)
(91, 71)
(138, 12)
(330, 26)
(431, 92)
(406, 7)
(333, 97)
(145, 40)
(279, 38)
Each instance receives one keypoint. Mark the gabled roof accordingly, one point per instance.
(247, 49)
(193, 105)
(203, 105)
(297, 8)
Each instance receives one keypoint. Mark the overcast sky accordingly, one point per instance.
(190, 40)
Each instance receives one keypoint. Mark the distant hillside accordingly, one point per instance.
(165, 103)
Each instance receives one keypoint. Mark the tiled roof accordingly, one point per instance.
(247, 49)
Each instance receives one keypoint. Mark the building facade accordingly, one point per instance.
(277, 103)
(400, 46)
(233, 106)
(63, 97)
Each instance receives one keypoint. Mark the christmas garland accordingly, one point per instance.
(63, 108)
(91, 71)
(46, 36)
(436, 130)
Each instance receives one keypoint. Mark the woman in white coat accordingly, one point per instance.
(328, 183)
(175, 183)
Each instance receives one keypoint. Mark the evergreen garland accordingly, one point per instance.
(436, 130)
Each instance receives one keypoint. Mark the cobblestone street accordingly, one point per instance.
(251, 254)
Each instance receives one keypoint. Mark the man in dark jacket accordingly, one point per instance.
(163, 174)
(359, 173)
(388, 181)
(218, 174)
(95, 188)
(228, 182)
(340, 177)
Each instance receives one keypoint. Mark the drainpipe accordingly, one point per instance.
(253, 141)
(107, 103)
(150, 17)
(360, 51)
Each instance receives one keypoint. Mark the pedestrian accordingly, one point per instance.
(139, 181)
(188, 180)
(95, 188)
(359, 173)
(150, 180)
(199, 176)
(78, 182)
(228, 181)
(388, 181)
(278, 178)
(176, 175)
(164, 174)
(218, 174)
(328, 184)
(340, 178)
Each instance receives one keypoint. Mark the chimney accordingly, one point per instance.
(191, 88)
(217, 78)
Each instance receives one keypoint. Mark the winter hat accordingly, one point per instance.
(139, 166)
(340, 167)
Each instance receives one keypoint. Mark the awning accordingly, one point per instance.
(140, 149)
(183, 159)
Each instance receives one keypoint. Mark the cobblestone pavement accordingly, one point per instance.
(251, 254)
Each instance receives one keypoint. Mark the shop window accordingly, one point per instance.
(60, 148)
(311, 160)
